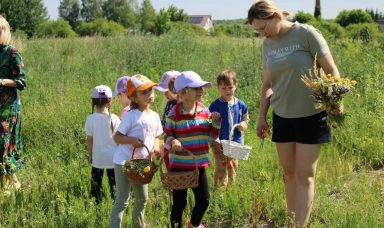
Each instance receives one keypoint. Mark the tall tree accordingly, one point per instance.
(91, 10)
(176, 14)
(317, 13)
(119, 11)
(147, 16)
(69, 10)
(24, 15)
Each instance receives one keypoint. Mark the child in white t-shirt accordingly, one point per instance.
(140, 126)
(100, 127)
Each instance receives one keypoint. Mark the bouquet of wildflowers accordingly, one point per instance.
(329, 92)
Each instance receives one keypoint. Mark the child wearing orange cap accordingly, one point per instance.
(139, 127)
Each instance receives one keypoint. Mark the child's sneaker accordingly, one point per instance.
(191, 226)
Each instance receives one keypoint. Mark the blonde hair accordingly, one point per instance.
(5, 31)
(265, 9)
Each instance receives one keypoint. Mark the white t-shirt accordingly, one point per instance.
(98, 126)
(146, 126)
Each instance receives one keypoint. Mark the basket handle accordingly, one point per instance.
(150, 157)
(189, 152)
(232, 131)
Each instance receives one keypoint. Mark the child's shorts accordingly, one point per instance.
(306, 130)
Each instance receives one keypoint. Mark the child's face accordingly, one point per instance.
(169, 95)
(144, 98)
(124, 100)
(227, 91)
(193, 94)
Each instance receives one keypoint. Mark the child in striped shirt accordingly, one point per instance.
(190, 125)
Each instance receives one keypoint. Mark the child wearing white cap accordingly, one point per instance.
(121, 93)
(100, 127)
(190, 125)
(140, 126)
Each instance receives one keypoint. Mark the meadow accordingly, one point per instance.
(56, 176)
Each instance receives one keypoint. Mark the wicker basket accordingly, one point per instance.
(140, 177)
(236, 150)
(180, 180)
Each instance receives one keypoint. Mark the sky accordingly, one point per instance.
(236, 9)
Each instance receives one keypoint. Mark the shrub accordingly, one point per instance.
(356, 16)
(303, 17)
(100, 27)
(58, 28)
(365, 32)
(186, 28)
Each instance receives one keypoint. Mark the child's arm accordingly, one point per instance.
(243, 125)
(123, 139)
(89, 148)
(215, 126)
(171, 143)
(156, 148)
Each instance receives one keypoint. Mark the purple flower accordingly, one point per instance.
(344, 90)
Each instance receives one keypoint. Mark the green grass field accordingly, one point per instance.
(56, 176)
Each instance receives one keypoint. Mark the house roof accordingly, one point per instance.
(200, 20)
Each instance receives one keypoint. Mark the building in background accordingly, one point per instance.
(203, 21)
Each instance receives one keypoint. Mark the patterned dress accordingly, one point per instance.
(11, 67)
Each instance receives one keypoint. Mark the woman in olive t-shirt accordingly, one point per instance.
(299, 130)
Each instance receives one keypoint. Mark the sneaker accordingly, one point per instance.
(191, 226)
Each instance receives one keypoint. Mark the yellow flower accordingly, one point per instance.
(147, 169)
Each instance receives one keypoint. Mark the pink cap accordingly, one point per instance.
(101, 91)
(121, 85)
(189, 79)
(163, 86)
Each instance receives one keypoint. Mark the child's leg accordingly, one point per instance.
(232, 166)
(220, 175)
(16, 181)
(111, 181)
(140, 192)
(179, 203)
(123, 188)
(201, 199)
(97, 178)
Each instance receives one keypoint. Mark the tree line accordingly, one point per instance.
(88, 17)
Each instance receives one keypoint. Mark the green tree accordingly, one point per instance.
(58, 28)
(119, 11)
(176, 14)
(147, 16)
(375, 14)
(25, 15)
(355, 16)
(162, 23)
(303, 17)
(69, 10)
(91, 10)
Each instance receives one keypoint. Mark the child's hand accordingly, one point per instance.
(176, 145)
(215, 116)
(136, 142)
(242, 126)
(156, 153)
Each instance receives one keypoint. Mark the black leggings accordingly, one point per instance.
(201, 193)
(96, 182)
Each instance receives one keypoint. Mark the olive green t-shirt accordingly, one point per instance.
(286, 59)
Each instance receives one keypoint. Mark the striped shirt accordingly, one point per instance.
(193, 132)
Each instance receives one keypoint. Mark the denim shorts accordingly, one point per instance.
(306, 130)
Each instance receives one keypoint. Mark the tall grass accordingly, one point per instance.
(56, 176)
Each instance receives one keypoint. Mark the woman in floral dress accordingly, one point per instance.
(12, 80)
